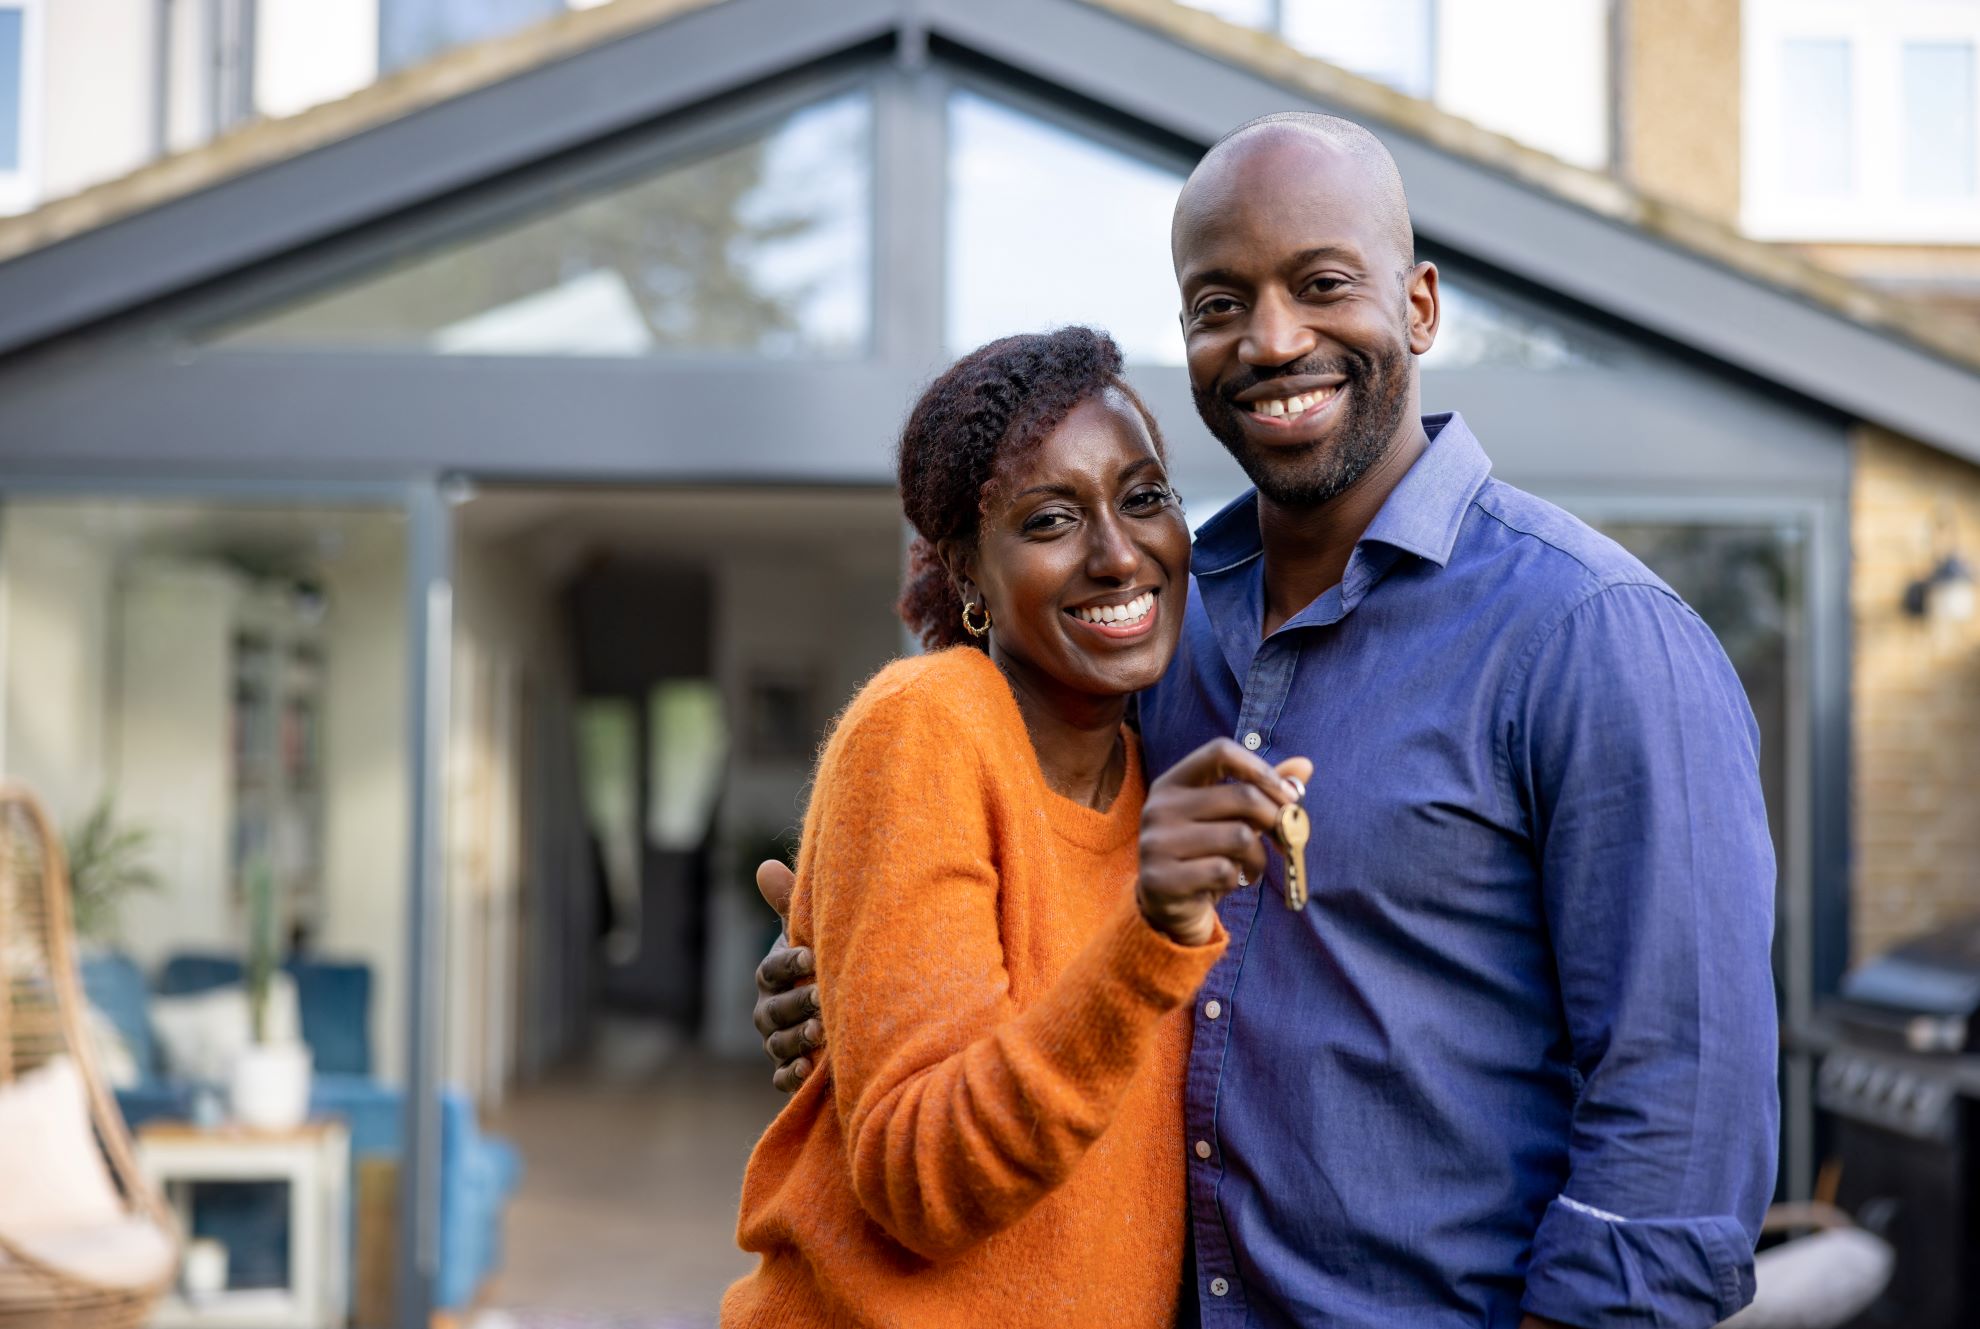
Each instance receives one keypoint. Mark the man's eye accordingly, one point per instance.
(1216, 307)
(1325, 285)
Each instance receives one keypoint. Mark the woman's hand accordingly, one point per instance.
(1200, 829)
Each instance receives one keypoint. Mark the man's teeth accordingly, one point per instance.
(1278, 407)
(1119, 615)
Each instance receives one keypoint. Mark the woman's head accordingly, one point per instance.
(1036, 482)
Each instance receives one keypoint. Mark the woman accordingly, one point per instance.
(995, 1134)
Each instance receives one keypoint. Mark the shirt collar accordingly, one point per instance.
(1421, 515)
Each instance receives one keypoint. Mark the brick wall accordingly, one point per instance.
(1680, 102)
(1916, 692)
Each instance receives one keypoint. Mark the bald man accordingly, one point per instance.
(1514, 1065)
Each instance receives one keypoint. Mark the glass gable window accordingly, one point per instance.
(1048, 227)
(1477, 331)
(763, 248)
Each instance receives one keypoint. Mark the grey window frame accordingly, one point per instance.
(428, 606)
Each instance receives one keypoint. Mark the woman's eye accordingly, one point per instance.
(1046, 522)
(1149, 500)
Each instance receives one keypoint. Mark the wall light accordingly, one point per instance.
(1946, 593)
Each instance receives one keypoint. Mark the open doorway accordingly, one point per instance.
(641, 679)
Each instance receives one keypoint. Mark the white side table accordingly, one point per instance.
(315, 1161)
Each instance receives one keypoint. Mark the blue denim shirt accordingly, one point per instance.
(1519, 1050)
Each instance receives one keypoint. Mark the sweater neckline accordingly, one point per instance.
(1089, 828)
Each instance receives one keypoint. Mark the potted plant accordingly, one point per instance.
(108, 863)
(270, 1089)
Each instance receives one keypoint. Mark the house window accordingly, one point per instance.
(1938, 120)
(20, 41)
(13, 26)
(413, 30)
(1816, 124)
(1457, 53)
(1860, 121)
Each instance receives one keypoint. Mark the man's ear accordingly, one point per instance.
(1425, 306)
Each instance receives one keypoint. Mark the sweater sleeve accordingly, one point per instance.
(960, 1112)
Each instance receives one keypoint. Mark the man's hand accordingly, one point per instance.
(787, 1006)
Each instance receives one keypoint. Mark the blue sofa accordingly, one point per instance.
(478, 1173)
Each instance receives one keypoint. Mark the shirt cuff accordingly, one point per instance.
(1591, 1267)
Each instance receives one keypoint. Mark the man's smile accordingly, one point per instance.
(1283, 405)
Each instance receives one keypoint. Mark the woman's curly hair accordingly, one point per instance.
(983, 413)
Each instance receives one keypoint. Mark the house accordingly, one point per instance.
(541, 396)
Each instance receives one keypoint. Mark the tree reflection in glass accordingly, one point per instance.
(763, 248)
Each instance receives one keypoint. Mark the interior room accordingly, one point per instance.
(213, 694)
(641, 679)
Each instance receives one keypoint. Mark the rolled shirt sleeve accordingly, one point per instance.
(1635, 747)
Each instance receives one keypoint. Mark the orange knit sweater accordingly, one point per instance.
(994, 1135)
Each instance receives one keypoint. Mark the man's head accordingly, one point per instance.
(1302, 302)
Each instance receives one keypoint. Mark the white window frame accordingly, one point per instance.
(1876, 209)
(20, 189)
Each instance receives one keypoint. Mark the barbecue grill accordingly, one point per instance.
(1900, 1080)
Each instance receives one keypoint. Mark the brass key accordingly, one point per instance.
(1291, 833)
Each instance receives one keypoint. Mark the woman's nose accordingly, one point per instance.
(1112, 556)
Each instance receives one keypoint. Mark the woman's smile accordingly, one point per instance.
(1118, 617)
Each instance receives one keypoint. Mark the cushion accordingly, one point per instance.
(335, 999)
(126, 1253)
(202, 1035)
(116, 987)
(187, 973)
(114, 1059)
(1818, 1281)
(52, 1175)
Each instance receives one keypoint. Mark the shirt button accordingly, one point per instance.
(1218, 1287)
(1203, 1149)
(1212, 1009)
(1253, 742)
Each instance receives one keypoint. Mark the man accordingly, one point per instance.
(1514, 1064)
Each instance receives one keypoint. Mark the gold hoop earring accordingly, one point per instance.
(975, 629)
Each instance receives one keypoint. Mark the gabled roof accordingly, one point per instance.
(483, 110)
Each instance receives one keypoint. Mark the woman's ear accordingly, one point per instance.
(958, 564)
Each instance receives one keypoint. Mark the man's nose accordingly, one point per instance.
(1275, 334)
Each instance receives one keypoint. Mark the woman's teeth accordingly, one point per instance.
(1278, 407)
(1119, 615)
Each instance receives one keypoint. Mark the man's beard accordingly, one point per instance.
(1311, 474)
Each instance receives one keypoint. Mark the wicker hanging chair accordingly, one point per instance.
(42, 1020)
